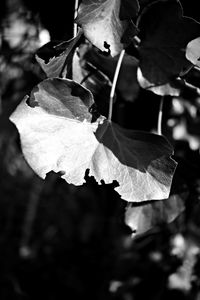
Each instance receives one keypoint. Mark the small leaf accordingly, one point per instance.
(162, 90)
(53, 56)
(104, 22)
(164, 34)
(60, 134)
(193, 52)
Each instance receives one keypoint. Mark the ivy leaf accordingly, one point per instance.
(54, 56)
(164, 34)
(193, 52)
(60, 133)
(104, 22)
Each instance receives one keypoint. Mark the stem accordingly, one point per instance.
(114, 83)
(75, 30)
(160, 115)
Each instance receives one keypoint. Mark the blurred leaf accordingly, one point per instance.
(193, 52)
(57, 133)
(183, 279)
(147, 216)
(164, 34)
(105, 22)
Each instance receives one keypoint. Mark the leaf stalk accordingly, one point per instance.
(114, 83)
(75, 29)
(160, 116)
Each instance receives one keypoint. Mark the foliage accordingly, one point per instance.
(65, 130)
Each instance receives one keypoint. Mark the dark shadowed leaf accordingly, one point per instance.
(54, 57)
(104, 22)
(193, 52)
(57, 134)
(144, 3)
(164, 34)
(128, 9)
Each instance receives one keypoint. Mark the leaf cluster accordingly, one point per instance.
(63, 126)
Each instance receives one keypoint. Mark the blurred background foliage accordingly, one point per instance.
(59, 241)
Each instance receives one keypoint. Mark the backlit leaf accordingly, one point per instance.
(104, 22)
(59, 133)
(53, 57)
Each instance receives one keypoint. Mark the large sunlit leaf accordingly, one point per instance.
(59, 133)
(105, 22)
(164, 34)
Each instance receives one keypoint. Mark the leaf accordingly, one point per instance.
(193, 52)
(59, 133)
(104, 22)
(164, 34)
(162, 90)
(149, 215)
(54, 56)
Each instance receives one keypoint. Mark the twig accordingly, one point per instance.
(75, 15)
(114, 83)
(160, 115)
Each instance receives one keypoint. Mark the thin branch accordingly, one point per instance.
(94, 71)
(114, 83)
(160, 115)
(75, 30)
